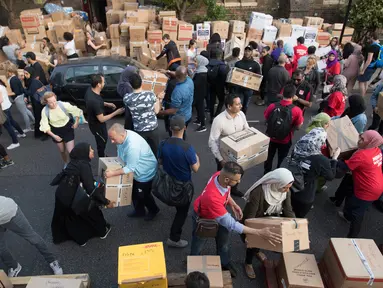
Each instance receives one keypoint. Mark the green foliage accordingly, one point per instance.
(214, 12)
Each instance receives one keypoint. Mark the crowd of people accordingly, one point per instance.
(291, 83)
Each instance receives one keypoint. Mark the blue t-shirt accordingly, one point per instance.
(177, 156)
(182, 98)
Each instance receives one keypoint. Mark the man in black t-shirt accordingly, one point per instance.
(39, 71)
(95, 107)
(276, 80)
(303, 97)
(368, 69)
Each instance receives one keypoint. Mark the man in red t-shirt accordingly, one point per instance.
(283, 145)
(211, 204)
(300, 50)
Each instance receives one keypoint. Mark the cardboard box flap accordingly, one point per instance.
(343, 134)
(210, 265)
(143, 279)
(358, 258)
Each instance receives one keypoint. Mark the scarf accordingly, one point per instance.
(288, 49)
(371, 139)
(340, 84)
(333, 62)
(318, 120)
(311, 143)
(357, 106)
(272, 183)
(123, 86)
(80, 152)
(202, 62)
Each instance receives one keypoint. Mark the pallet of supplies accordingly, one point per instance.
(244, 78)
(153, 81)
(247, 148)
(294, 231)
(40, 282)
(298, 270)
(142, 265)
(343, 134)
(210, 265)
(352, 263)
(118, 188)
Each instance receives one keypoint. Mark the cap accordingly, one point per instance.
(177, 123)
(249, 48)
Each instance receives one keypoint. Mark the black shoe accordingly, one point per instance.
(236, 193)
(135, 214)
(230, 267)
(333, 200)
(151, 215)
(197, 122)
(201, 129)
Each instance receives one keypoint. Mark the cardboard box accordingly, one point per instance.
(284, 29)
(269, 34)
(124, 29)
(315, 22)
(255, 34)
(170, 24)
(100, 38)
(38, 32)
(297, 31)
(153, 81)
(296, 21)
(31, 20)
(172, 34)
(147, 57)
(310, 36)
(80, 40)
(156, 48)
(247, 148)
(58, 16)
(244, 78)
(163, 14)
(131, 17)
(118, 188)
(231, 44)
(380, 105)
(298, 270)
(154, 26)
(134, 48)
(220, 27)
(203, 31)
(185, 31)
(51, 34)
(342, 133)
(115, 17)
(145, 15)
(142, 265)
(154, 36)
(130, 6)
(40, 282)
(63, 26)
(294, 231)
(14, 36)
(237, 26)
(118, 50)
(326, 26)
(352, 263)
(137, 33)
(115, 42)
(260, 20)
(31, 11)
(4, 280)
(118, 4)
(183, 46)
(114, 31)
(103, 52)
(210, 265)
(323, 38)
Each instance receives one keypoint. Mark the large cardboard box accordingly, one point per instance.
(352, 263)
(154, 26)
(260, 20)
(237, 26)
(295, 21)
(116, 17)
(4, 280)
(170, 24)
(40, 282)
(124, 29)
(255, 34)
(154, 36)
(323, 38)
(118, 4)
(118, 188)
(244, 78)
(131, 17)
(147, 57)
(145, 15)
(183, 46)
(156, 48)
(39, 32)
(63, 26)
(114, 31)
(31, 11)
(14, 36)
(297, 31)
(100, 38)
(31, 20)
(231, 44)
(203, 31)
(137, 33)
(153, 81)
(315, 22)
(247, 148)
(163, 14)
(80, 40)
(134, 48)
(142, 265)
(310, 36)
(294, 231)
(220, 27)
(269, 34)
(284, 29)
(210, 265)
(130, 6)
(298, 270)
(118, 50)
(58, 16)
(185, 31)
(343, 134)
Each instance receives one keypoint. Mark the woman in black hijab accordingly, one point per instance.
(356, 112)
(214, 44)
(31, 87)
(66, 224)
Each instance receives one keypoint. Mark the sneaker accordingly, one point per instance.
(55, 266)
(260, 103)
(201, 129)
(21, 135)
(341, 215)
(13, 146)
(14, 272)
(27, 130)
(179, 244)
(108, 228)
(151, 215)
(197, 122)
(249, 269)
(5, 164)
(232, 270)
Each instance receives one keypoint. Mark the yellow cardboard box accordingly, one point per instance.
(142, 265)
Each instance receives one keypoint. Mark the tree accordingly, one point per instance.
(180, 6)
(214, 12)
(366, 16)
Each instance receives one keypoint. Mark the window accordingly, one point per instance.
(81, 75)
(112, 74)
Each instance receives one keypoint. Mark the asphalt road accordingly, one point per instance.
(27, 182)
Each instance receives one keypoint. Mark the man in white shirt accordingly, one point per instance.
(226, 123)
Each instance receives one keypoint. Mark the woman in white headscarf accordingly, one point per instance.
(269, 196)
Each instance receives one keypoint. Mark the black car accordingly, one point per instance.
(71, 80)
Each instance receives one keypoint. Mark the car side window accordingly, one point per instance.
(81, 75)
(112, 74)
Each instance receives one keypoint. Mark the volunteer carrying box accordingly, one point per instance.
(298, 270)
(247, 148)
(343, 134)
(294, 231)
(244, 78)
(352, 263)
(142, 265)
(118, 188)
(41, 282)
(210, 265)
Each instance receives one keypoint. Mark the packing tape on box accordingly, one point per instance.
(117, 185)
(364, 262)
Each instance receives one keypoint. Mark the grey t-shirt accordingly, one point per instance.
(8, 209)
(9, 50)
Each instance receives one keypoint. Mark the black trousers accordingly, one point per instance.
(3, 153)
(37, 108)
(178, 222)
(250, 252)
(199, 102)
(128, 120)
(216, 92)
(301, 209)
(101, 135)
(345, 189)
(283, 151)
(142, 197)
(376, 123)
(354, 210)
(152, 138)
(263, 88)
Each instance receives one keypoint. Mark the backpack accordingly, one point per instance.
(294, 165)
(279, 122)
(378, 62)
(213, 73)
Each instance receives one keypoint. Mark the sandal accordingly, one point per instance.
(250, 271)
(261, 257)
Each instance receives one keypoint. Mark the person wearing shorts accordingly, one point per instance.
(368, 69)
(58, 120)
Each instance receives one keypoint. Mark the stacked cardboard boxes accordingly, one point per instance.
(33, 24)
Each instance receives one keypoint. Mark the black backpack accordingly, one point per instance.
(279, 122)
(213, 73)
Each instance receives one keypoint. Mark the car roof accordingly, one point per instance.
(117, 60)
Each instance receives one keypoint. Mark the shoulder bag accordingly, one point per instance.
(41, 91)
(206, 228)
(82, 202)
